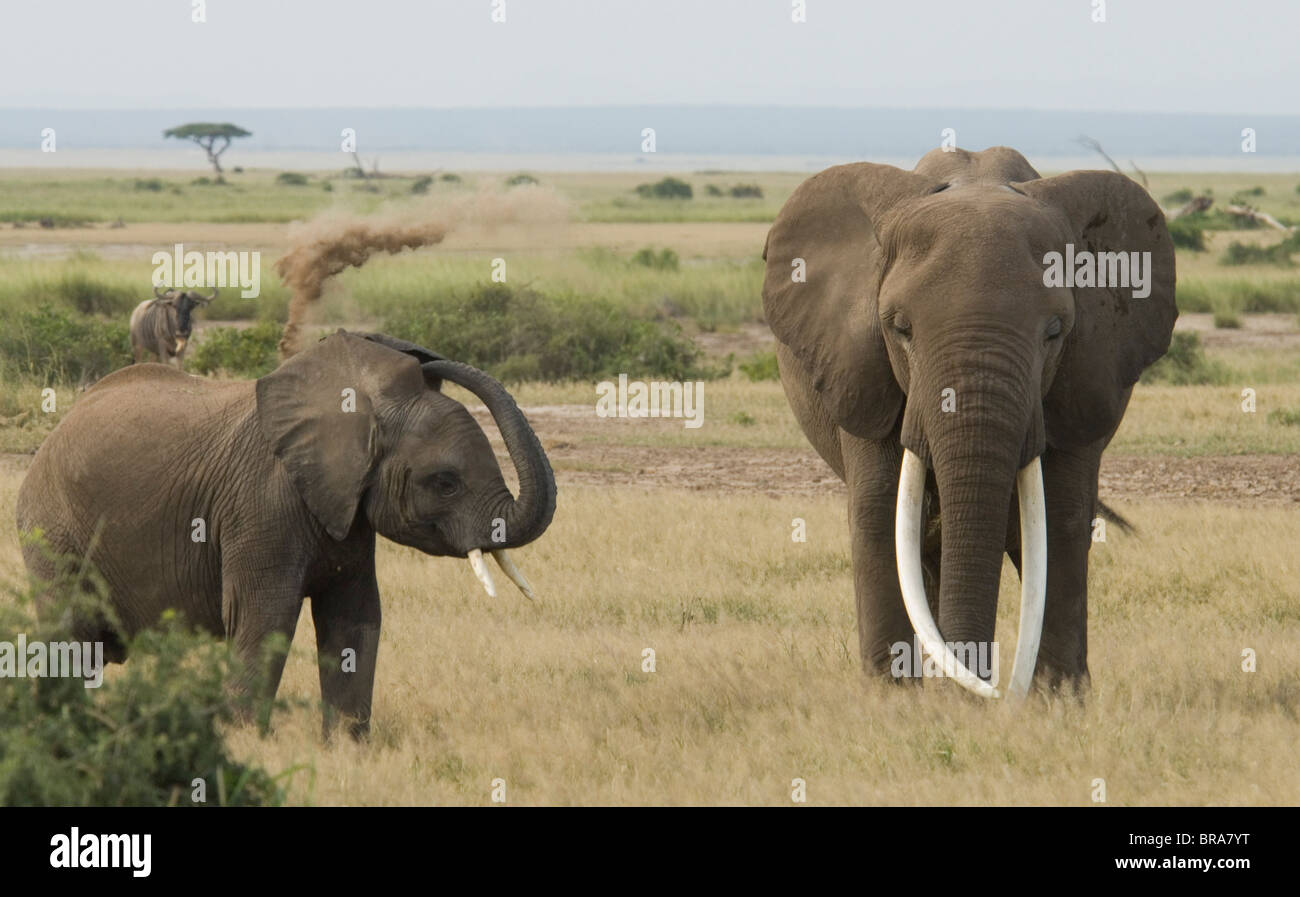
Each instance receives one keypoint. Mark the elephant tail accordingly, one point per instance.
(1110, 515)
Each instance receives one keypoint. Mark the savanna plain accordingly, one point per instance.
(684, 647)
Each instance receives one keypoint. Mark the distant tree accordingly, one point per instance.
(207, 136)
(668, 188)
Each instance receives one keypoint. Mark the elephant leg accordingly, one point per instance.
(871, 472)
(253, 612)
(347, 618)
(1070, 484)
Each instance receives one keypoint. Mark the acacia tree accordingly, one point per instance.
(206, 135)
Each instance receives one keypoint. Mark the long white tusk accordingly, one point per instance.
(481, 571)
(1033, 575)
(508, 567)
(907, 543)
(1033, 581)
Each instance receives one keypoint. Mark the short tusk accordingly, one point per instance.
(1033, 575)
(508, 567)
(481, 571)
(907, 547)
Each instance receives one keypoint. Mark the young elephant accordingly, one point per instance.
(945, 365)
(232, 501)
(162, 325)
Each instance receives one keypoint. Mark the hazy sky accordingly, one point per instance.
(1217, 56)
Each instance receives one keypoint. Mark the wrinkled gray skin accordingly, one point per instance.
(161, 326)
(932, 279)
(292, 489)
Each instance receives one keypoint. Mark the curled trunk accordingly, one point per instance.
(531, 512)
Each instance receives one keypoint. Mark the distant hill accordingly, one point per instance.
(747, 130)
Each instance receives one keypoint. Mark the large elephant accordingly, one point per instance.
(232, 501)
(935, 356)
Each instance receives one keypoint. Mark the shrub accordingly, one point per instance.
(421, 184)
(713, 190)
(1250, 254)
(521, 180)
(247, 352)
(91, 296)
(668, 188)
(1287, 417)
(450, 178)
(664, 260)
(747, 191)
(1185, 364)
(292, 179)
(761, 367)
(521, 334)
(53, 346)
(1226, 320)
(137, 740)
(327, 187)
(1179, 197)
(743, 418)
(1187, 234)
(154, 185)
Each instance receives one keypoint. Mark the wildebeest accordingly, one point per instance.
(162, 325)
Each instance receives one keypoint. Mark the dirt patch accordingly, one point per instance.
(1257, 331)
(1248, 479)
(579, 460)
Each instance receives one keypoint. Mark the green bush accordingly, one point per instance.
(1287, 417)
(1226, 320)
(292, 179)
(154, 185)
(52, 346)
(140, 739)
(1239, 253)
(664, 260)
(521, 180)
(1185, 364)
(713, 190)
(247, 352)
(94, 297)
(450, 177)
(668, 188)
(421, 184)
(761, 367)
(747, 191)
(520, 334)
(1179, 197)
(1187, 234)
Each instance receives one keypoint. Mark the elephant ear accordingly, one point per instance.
(829, 321)
(319, 412)
(416, 351)
(1116, 335)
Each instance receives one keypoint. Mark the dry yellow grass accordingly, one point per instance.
(757, 680)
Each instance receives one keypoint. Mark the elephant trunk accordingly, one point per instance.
(977, 442)
(530, 513)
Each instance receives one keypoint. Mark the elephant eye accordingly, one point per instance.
(901, 325)
(1054, 328)
(445, 483)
